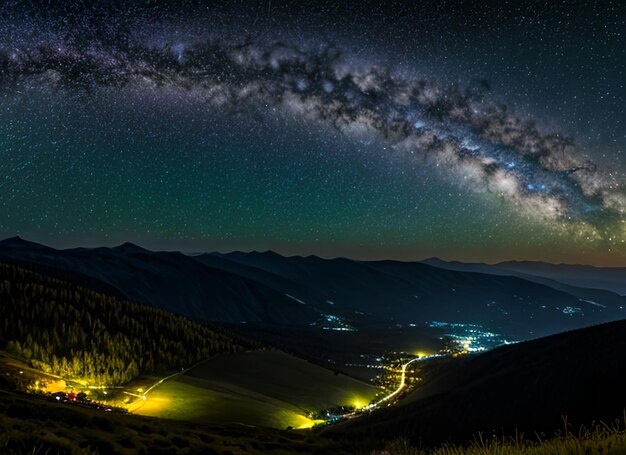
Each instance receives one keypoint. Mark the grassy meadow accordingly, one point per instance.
(258, 388)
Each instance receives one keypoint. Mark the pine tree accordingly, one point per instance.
(76, 332)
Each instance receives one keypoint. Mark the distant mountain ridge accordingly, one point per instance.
(270, 289)
(372, 277)
(171, 281)
(611, 279)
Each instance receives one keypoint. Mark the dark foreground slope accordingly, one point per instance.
(34, 426)
(527, 387)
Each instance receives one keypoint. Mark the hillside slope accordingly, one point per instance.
(31, 425)
(71, 330)
(261, 388)
(527, 387)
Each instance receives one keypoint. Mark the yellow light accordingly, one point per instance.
(305, 422)
(422, 354)
(156, 406)
(144, 398)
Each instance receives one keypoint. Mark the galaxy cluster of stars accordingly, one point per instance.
(460, 134)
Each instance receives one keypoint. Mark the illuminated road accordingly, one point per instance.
(144, 395)
(371, 406)
(161, 381)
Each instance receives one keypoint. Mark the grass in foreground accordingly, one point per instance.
(32, 426)
(602, 439)
(29, 425)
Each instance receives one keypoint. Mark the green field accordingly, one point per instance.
(259, 388)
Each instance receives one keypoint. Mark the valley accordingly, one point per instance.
(312, 363)
(312, 227)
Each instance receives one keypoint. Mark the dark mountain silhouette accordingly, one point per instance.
(267, 288)
(413, 292)
(171, 281)
(611, 279)
(527, 387)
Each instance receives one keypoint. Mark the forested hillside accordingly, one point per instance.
(73, 331)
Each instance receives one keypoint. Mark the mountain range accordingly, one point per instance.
(265, 288)
(612, 279)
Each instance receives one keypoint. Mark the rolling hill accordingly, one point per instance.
(63, 332)
(32, 425)
(261, 388)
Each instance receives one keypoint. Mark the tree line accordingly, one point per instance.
(64, 328)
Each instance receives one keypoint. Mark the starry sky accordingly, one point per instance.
(476, 131)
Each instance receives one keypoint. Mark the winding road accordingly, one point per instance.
(369, 407)
(395, 392)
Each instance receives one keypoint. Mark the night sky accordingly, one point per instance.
(466, 130)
